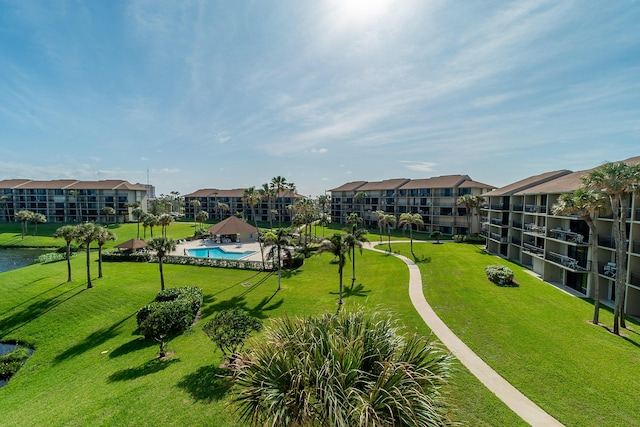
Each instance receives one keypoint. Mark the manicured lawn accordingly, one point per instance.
(539, 338)
(90, 368)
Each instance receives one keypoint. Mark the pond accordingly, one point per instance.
(14, 258)
(4, 349)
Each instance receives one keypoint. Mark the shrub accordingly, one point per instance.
(499, 274)
(50, 257)
(230, 328)
(11, 362)
(458, 238)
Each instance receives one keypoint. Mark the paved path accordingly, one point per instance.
(518, 402)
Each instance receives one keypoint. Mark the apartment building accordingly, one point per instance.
(220, 204)
(520, 225)
(66, 200)
(435, 199)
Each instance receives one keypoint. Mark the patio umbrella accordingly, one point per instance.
(132, 244)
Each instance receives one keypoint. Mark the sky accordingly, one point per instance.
(229, 94)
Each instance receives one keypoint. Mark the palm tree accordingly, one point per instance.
(24, 217)
(586, 205)
(103, 235)
(85, 233)
(162, 245)
(359, 198)
(388, 221)
(165, 220)
(618, 181)
(278, 185)
(36, 219)
(266, 193)
(76, 196)
(138, 214)
(468, 201)
(223, 208)
(337, 246)
(252, 198)
(202, 217)
(4, 201)
(66, 232)
(108, 211)
(324, 202)
(411, 220)
(195, 204)
(478, 200)
(355, 368)
(354, 240)
(380, 218)
(150, 220)
(279, 238)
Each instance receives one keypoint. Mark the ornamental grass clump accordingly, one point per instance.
(500, 275)
(350, 369)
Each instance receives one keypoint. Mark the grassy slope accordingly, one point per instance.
(536, 336)
(69, 381)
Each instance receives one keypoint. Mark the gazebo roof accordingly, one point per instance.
(232, 225)
(132, 244)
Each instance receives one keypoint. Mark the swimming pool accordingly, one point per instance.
(218, 253)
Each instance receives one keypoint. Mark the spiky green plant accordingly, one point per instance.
(351, 369)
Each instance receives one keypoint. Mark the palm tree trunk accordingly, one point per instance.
(341, 261)
(279, 267)
(161, 273)
(68, 261)
(99, 261)
(353, 267)
(594, 270)
(89, 284)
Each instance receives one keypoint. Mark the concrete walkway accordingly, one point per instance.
(518, 402)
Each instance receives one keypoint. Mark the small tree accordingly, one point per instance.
(108, 211)
(37, 218)
(103, 235)
(229, 329)
(84, 234)
(66, 232)
(162, 245)
(24, 217)
(436, 235)
(162, 320)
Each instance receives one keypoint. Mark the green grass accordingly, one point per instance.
(538, 337)
(90, 368)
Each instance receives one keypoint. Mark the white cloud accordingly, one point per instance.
(319, 150)
(419, 166)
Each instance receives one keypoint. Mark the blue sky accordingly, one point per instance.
(229, 94)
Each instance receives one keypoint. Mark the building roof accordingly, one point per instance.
(111, 184)
(563, 184)
(474, 184)
(232, 225)
(387, 184)
(523, 184)
(236, 192)
(350, 186)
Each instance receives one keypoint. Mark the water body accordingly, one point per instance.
(219, 253)
(13, 258)
(4, 349)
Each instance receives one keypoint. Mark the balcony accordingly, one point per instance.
(518, 207)
(606, 241)
(609, 269)
(497, 237)
(634, 279)
(497, 221)
(635, 246)
(566, 236)
(534, 250)
(516, 241)
(516, 224)
(499, 207)
(565, 261)
(535, 229)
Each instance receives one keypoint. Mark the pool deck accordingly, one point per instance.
(183, 246)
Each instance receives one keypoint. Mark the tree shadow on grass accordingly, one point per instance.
(150, 367)
(208, 383)
(240, 302)
(133, 345)
(421, 259)
(33, 311)
(93, 340)
(354, 291)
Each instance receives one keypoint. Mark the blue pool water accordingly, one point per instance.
(218, 253)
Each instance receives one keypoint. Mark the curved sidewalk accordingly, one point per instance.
(512, 397)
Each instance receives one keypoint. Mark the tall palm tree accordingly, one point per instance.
(324, 203)
(195, 204)
(164, 221)
(478, 200)
(266, 193)
(103, 235)
(37, 218)
(162, 246)
(138, 214)
(24, 217)
(202, 217)
(388, 221)
(108, 211)
(279, 238)
(469, 202)
(618, 181)
(410, 220)
(354, 240)
(252, 198)
(380, 218)
(66, 232)
(150, 220)
(223, 208)
(586, 205)
(76, 196)
(278, 185)
(359, 198)
(337, 246)
(4, 201)
(85, 234)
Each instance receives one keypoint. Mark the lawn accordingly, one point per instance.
(538, 337)
(90, 368)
